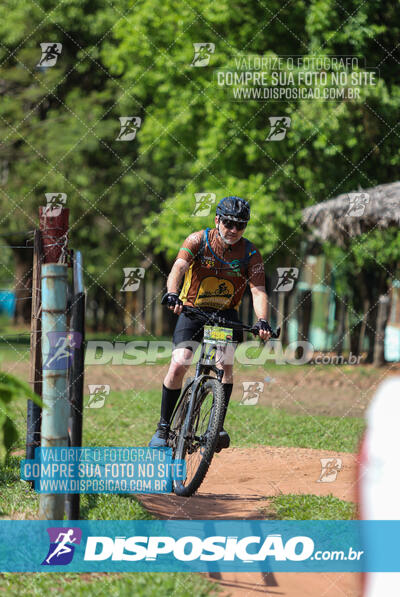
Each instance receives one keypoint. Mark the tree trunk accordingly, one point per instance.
(158, 308)
(355, 338)
(284, 332)
(104, 315)
(95, 307)
(149, 294)
(374, 285)
(304, 309)
(381, 320)
(115, 325)
(342, 309)
(141, 308)
(281, 310)
(305, 314)
(363, 327)
(23, 259)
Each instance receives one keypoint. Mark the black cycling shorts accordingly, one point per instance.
(191, 330)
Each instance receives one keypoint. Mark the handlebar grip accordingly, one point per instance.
(274, 335)
(164, 300)
(277, 333)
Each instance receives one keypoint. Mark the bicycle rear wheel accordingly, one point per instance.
(197, 439)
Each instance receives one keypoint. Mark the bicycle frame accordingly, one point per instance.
(205, 364)
(203, 368)
(196, 421)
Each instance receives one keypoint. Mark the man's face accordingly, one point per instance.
(232, 235)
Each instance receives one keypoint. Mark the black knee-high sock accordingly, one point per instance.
(227, 394)
(168, 400)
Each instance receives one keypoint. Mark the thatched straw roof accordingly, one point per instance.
(353, 213)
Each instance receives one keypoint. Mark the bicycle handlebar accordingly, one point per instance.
(214, 318)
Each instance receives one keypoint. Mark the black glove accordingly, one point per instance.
(262, 324)
(171, 299)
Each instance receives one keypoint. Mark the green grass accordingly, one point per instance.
(129, 418)
(14, 340)
(264, 425)
(111, 337)
(311, 507)
(14, 351)
(17, 500)
(144, 584)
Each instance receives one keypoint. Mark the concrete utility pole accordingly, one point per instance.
(55, 397)
(55, 344)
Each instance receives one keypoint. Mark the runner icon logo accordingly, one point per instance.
(97, 395)
(129, 127)
(329, 469)
(279, 127)
(251, 392)
(204, 202)
(50, 53)
(61, 349)
(287, 276)
(61, 550)
(202, 54)
(55, 202)
(133, 276)
(357, 204)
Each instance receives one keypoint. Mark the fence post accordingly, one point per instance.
(141, 309)
(34, 412)
(55, 398)
(77, 324)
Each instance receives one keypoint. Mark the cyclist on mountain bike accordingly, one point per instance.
(217, 264)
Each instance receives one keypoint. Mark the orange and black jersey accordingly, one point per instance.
(218, 273)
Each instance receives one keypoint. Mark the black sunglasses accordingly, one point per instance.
(231, 223)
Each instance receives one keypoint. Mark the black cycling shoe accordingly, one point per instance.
(159, 439)
(223, 441)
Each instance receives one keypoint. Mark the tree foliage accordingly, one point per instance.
(10, 389)
(134, 200)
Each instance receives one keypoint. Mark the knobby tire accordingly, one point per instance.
(187, 488)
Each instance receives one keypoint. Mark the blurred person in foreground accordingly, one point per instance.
(378, 483)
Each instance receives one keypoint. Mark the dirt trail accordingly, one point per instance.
(241, 479)
(251, 476)
(289, 584)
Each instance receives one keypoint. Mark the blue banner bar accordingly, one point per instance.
(199, 546)
(102, 470)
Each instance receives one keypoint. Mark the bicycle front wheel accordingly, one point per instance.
(197, 441)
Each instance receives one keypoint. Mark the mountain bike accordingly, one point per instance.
(198, 416)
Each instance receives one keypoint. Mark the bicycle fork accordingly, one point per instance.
(189, 413)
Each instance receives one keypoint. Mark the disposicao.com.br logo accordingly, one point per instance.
(190, 548)
(159, 546)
